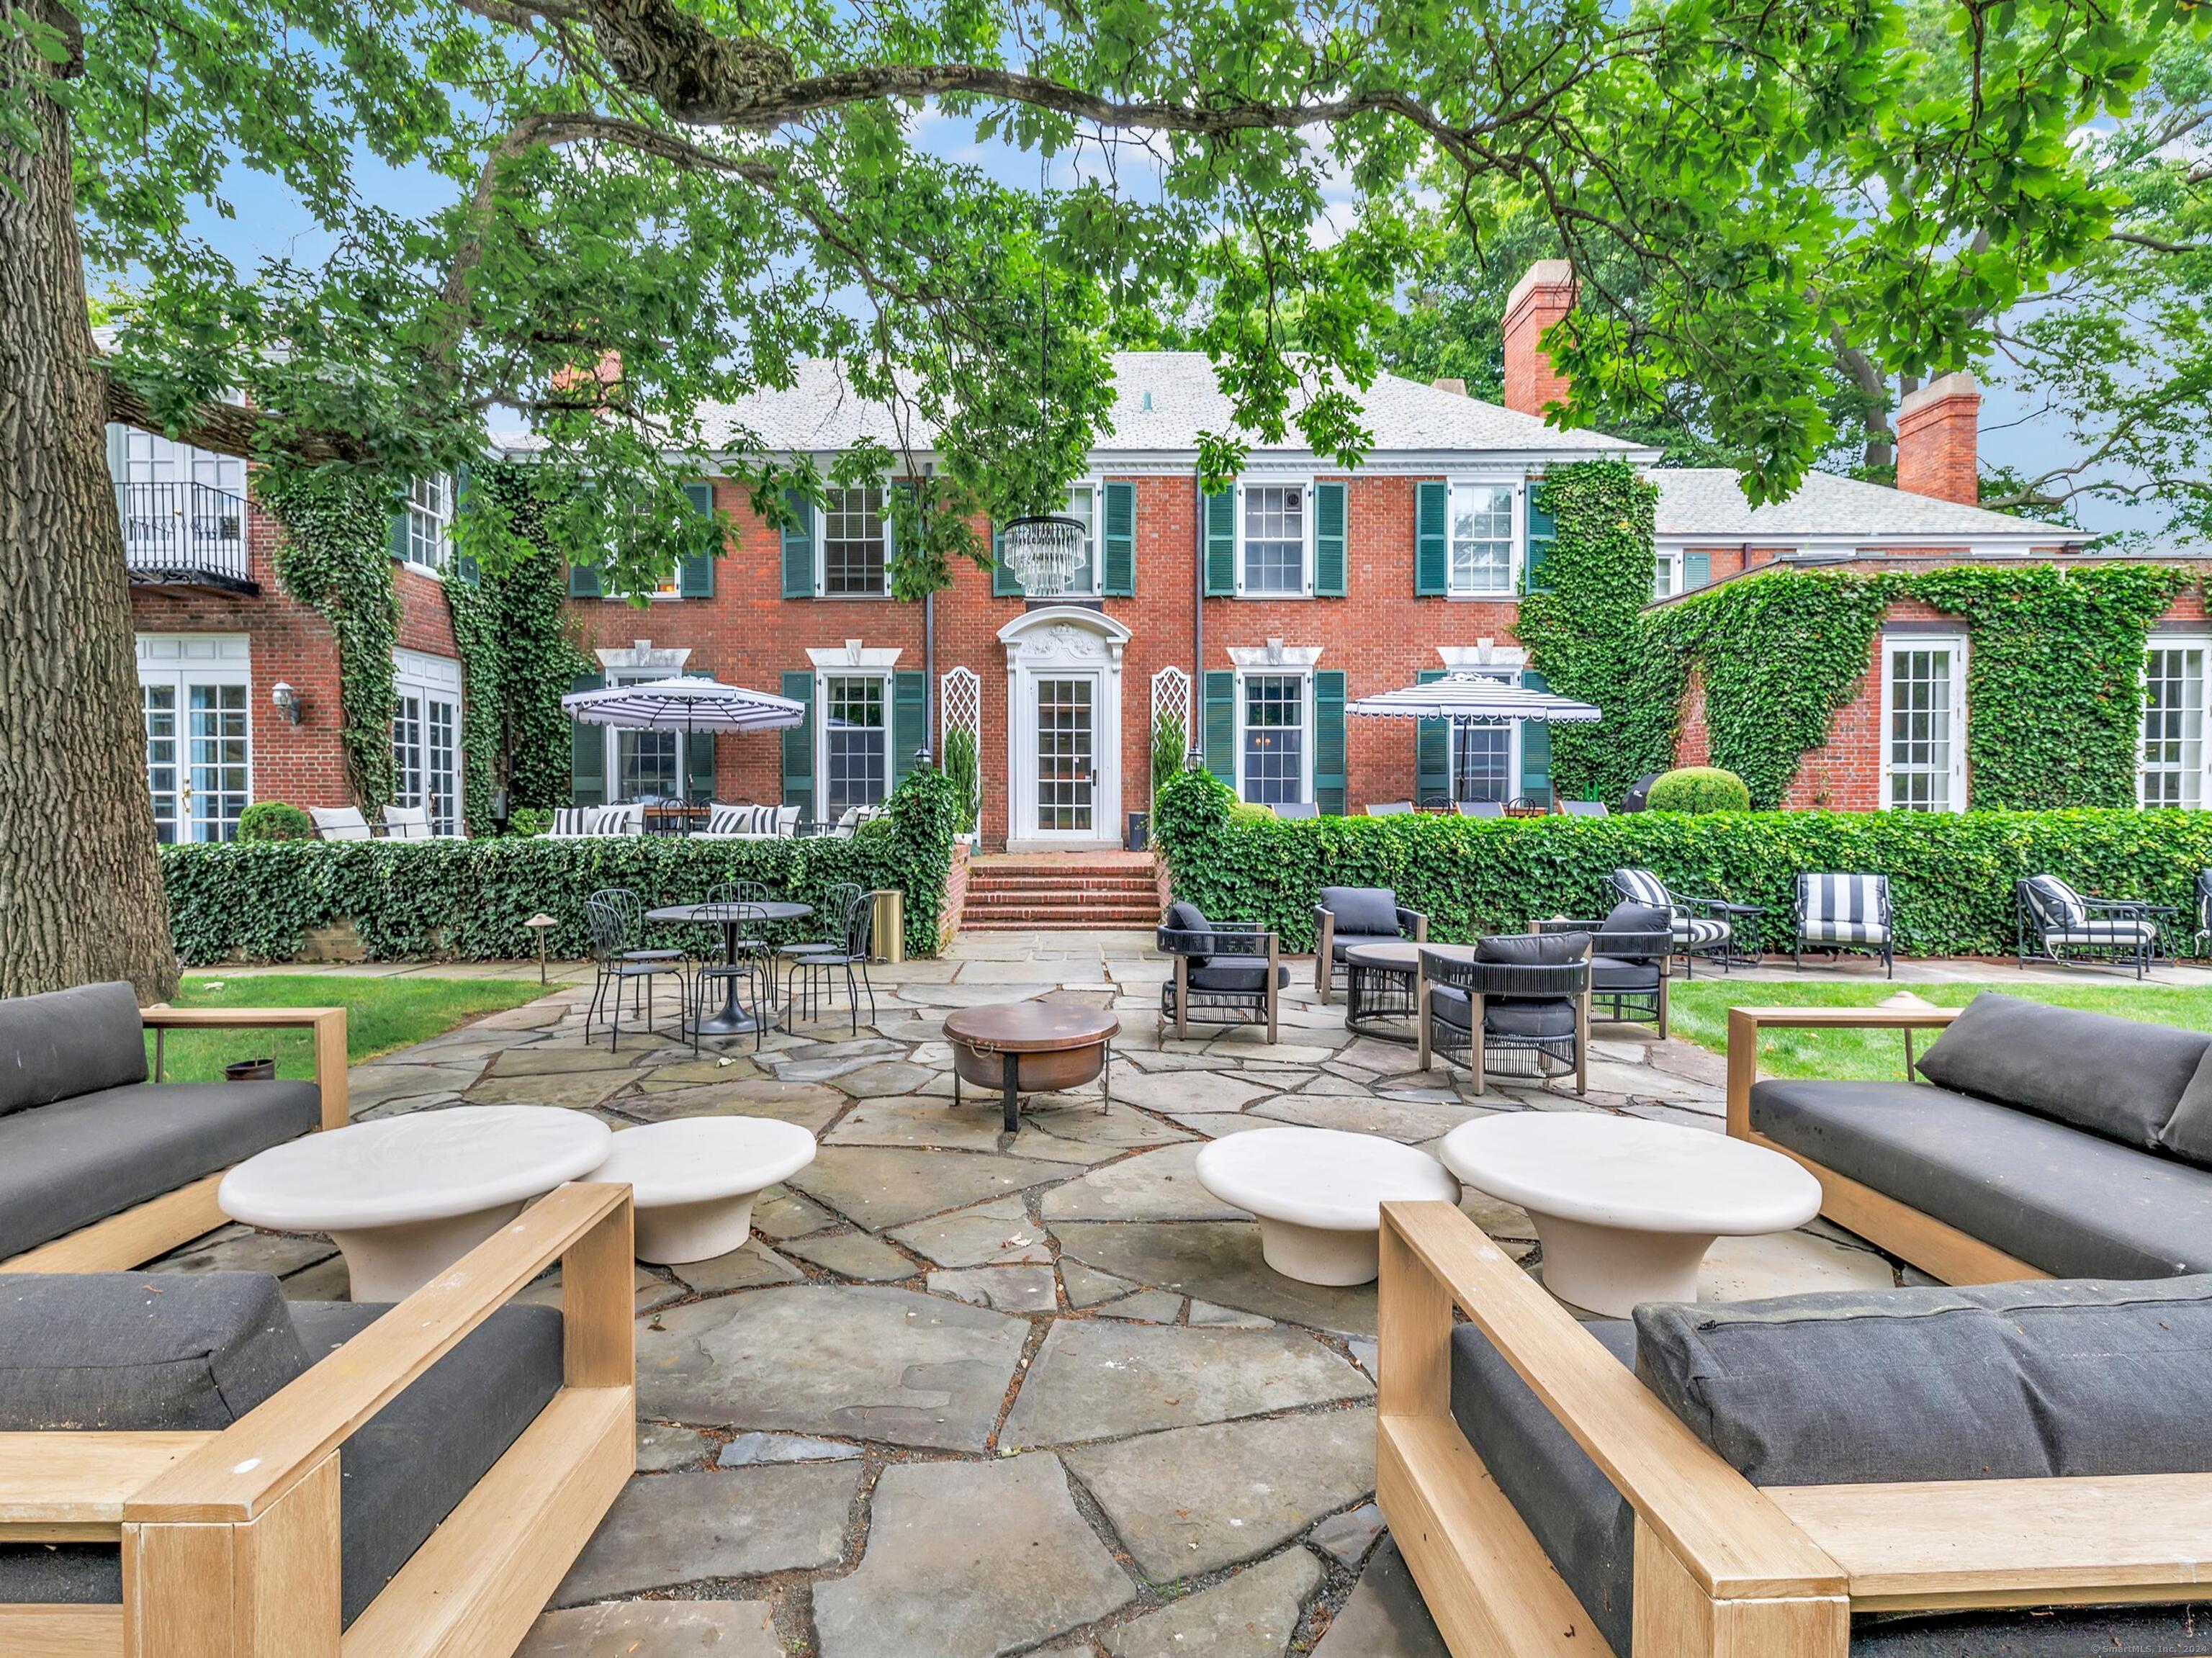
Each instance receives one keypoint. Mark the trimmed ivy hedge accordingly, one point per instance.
(466, 900)
(1951, 875)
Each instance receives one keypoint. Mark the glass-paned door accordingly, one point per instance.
(441, 766)
(1482, 765)
(2172, 769)
(165, 781)
(426, 721)
(217, 770)
(407, 750)
(857, 745)
(1066, 766)
(1274, 739)
(1924, 738)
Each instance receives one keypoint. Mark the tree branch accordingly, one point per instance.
(230, 428)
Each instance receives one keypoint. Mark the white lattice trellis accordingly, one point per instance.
(960, 708)
(1171, 700)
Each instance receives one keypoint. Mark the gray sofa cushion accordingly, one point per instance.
(2073, 1204)
(1246, 973)
(1611, 972)
(2024, 1381)
(2118, 1077)
(1532, 948)
(1527, 1018)
(140, 1350)
(2188, 1132)
(1372, 911)
(69, 1041)
(1628, 916)
(67, 1164)
(1341, 942)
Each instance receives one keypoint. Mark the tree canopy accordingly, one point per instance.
(659, 205)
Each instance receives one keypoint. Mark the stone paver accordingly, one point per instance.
(669, 1528)
(1159, 1184)
(873, 1363)
(883, 1187)
(989, 1232)
(1385, 1617)
(969, 1559)
(1251, 1615)
(1348, 1536)
(1095, 1381)
(662, 1446)
(662, 1629)
(1009, 1289)
(854, 1254)
(1218, 1260)
(750, 1450)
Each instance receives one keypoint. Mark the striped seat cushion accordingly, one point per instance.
(741, 820)
(1699, 934)
(2103, 932)
(1844, 910)
(572, 820)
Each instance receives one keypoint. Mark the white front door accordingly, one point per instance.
(1064, 718)
(1064, 739)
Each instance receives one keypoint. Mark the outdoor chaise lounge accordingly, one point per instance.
(740, 822)
(1358, 915)
(2054, 923)
(2044, 1142)
(101, 1169)
(2013, 1471)
(1225, 972)
(572, 823)
(339, 824)
(192, 1468)
(412, 823)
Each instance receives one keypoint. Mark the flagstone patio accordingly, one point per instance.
(966, 1393)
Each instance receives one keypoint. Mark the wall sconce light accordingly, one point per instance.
(287, 701)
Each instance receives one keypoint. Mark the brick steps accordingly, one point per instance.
(1061, 892)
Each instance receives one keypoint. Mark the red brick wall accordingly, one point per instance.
(1544, 295)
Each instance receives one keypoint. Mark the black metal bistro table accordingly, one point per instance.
(732, 1020)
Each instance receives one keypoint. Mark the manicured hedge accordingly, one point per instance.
(466, 900)
(1951, 875)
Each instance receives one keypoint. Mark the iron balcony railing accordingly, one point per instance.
(183, 532)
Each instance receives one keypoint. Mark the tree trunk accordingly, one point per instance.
(81, 896)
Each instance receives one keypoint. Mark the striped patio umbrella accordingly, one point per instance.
(688, 706)
(1466, 696)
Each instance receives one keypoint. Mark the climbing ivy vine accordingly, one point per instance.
(518, 658)
(334, 557)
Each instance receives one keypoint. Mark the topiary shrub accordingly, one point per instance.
(275, 820)
(1700, 788)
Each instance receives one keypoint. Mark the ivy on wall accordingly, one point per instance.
(518, 658)
(334, 557)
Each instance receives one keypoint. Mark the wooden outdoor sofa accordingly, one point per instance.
(100, 1169)
(1720, 1567)
(231, 1542)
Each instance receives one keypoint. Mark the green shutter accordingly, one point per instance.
(1221, 725)
(799, 744)
(909, 719)
(1330, 527)
(1535, 746)
(798, 558)
(1432, 538)
(1543, 530)
(1221, 544)
(1697, 570)
(583, 582)
(1121, 543)
(587, 752)
(1432, 750)
(698, 755)
(695, 576)
(396, 538)
(1328, 740)
(1004, 582)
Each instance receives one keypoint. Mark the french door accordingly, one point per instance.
(1923, 698)
(426, 722)
(1067, 728)
(199, 768)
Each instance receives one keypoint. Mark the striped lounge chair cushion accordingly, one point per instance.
(741, 820)
(569, 821)
(1641, 886)
(1699, 934)
(2119, 932)
(1844, 910)
(2058, 907)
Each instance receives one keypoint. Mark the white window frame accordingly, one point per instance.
(887, 678)
(1667, 573)
(1892, 645)
(1304, 675)
(821, 544)
(1305, 487)
(2201, 643)
(615, 792)
(1093, 574)
(1517, 555)
(429, 679)
(430, 525)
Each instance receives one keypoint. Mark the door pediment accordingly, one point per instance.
(1064, 635)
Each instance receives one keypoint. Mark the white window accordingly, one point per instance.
(426, 737)
(2172, 760)
(1923, 716)
(1275, 738)
(430, 521)
(1083, 507)
(856, 740)
(1667, 576)
(856, 543)
(183, 509)
(194, 696)
(643, 765)
(1271, 533)
(1482, 538)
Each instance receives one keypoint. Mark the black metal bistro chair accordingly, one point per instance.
(615, 921)
(1632, 964)
(1225, 973)
(806, 976)
(1358, 915)
(2054, 923)
(1521, 1007)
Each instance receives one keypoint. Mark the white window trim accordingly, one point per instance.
(1516, 564)
(1305, 485)
(2185, 642)
(879, 669)
(1957, 644)
(1096, 488)
(822, 547)
(444, 520)
(1668, 559)
(1304, 673)
(1513, 772)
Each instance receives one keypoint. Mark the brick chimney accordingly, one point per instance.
(1539, 298)
(1936, 431)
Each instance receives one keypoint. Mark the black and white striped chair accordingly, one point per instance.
(2054, 923)
(1837, 913)
(1706, 934)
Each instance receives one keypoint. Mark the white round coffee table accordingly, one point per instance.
(404, 1198)
(1625, 1209)
(1318, 1194)
(693, 1179)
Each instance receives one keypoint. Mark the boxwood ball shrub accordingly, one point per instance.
(275, 820)
(1951, 874)
(1699, 788)
(466, 900)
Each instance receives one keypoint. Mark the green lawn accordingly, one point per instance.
(1700, 1015)
(381, 1014)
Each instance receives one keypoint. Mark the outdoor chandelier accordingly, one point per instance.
(1044, 553)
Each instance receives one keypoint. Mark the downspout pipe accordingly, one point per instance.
(1195, 738)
